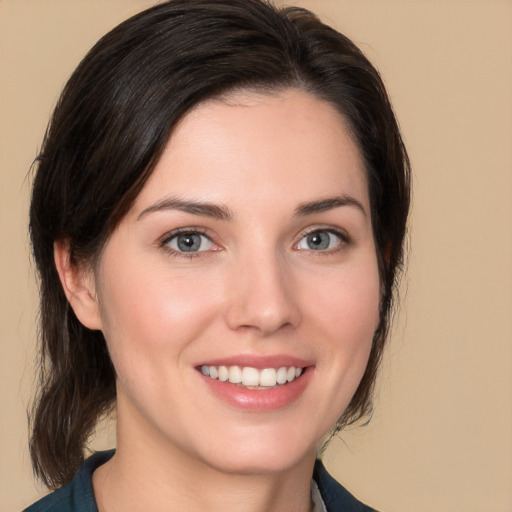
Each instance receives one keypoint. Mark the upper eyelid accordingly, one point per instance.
(345, 240)
(330, 229)
(181, 231)
(164, 243)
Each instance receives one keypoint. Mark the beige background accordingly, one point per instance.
(441, 438)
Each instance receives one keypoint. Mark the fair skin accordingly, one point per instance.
(274, 267)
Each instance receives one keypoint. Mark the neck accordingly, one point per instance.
(147, 476)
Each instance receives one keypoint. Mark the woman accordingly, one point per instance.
(217, 218)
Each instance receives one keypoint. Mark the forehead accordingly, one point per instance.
(250, 145)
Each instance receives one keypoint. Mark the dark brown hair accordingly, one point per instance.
(108, 131)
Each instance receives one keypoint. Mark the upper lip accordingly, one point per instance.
(258, 361)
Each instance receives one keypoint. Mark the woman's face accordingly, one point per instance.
(248, 255)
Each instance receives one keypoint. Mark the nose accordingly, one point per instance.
(262, 296)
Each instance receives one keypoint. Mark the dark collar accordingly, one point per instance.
(335, 496)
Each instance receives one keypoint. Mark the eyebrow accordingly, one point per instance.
(195, 207)
(222, 212)
(330, 203)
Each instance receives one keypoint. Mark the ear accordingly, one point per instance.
(79, 285)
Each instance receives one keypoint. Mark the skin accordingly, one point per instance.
(257, 288)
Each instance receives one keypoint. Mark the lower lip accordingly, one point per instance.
(256, 400)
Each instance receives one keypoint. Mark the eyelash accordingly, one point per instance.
(164, 243)
(345, 240)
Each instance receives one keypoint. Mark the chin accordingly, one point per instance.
(261, 454)
(256, 464)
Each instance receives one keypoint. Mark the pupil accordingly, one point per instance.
(318, 241)
(189, 243)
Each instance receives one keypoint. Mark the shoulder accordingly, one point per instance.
(59, 500)
(77, 495)
(334, 495)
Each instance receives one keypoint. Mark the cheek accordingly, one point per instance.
(346, 316)
(349, 302)
(147, 311)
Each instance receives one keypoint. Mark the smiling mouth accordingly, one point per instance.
(253, 378)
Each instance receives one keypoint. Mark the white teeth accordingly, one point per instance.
(235, 374)
(223, 373)
(268, 377)
(252, 377)
(281, 375)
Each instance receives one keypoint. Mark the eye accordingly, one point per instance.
(320, 240)
(189, 242)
